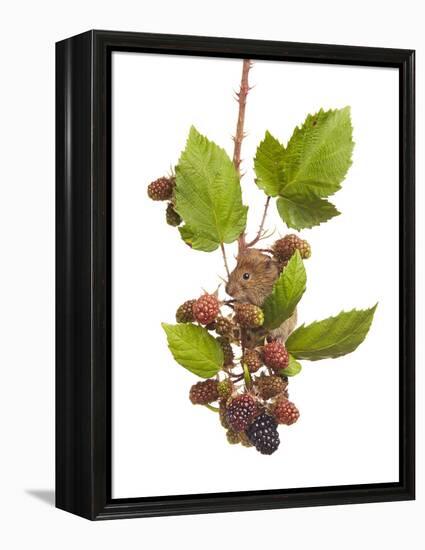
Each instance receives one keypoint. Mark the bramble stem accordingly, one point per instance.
(261, 228)
(211, 408)
(241, 95)
(223, 251)
(241, 98)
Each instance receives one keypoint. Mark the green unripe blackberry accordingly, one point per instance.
(232, 437)
(222, 411)
(244, 440)
(252, 359)
(225, 389)
(171, 216)
(249, 315)
(184, 313)
(224, 326)
(270, 386)
(284, 248)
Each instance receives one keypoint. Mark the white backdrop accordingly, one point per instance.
(344, 403)
(27, 39)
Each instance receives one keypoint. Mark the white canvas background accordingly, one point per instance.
(348, 430)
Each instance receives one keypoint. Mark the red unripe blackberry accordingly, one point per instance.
(161, 189)
(171, 216)
(270, 386)
(249, 315)
(285, 412)
(206, 308)
(227, 350)
(184, 313)
(240, 411)
(252, 359)
(275, 356)
(263, 434)
(284, 249)
(204, 392)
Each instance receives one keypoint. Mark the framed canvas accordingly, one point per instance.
(235, 275)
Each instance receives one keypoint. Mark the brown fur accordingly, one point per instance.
(263, 272)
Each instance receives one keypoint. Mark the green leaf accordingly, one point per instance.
(299, 212)
(196, 241)
(318, 154)
(292, 369)
(286, 294)
(268, 165)
(332, 337)
(194, 349)
(208, 193)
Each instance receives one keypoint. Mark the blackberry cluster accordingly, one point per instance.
(250, 395)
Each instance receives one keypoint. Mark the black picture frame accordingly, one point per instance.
(83, 274)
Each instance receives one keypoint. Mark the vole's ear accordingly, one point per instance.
(271, 265)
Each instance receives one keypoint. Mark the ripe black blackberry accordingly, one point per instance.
(263, 434)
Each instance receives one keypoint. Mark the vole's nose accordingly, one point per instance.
(229, 288)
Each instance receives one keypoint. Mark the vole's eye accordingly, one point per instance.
(246, 276)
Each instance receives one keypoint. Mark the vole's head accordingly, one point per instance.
(253, 278)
